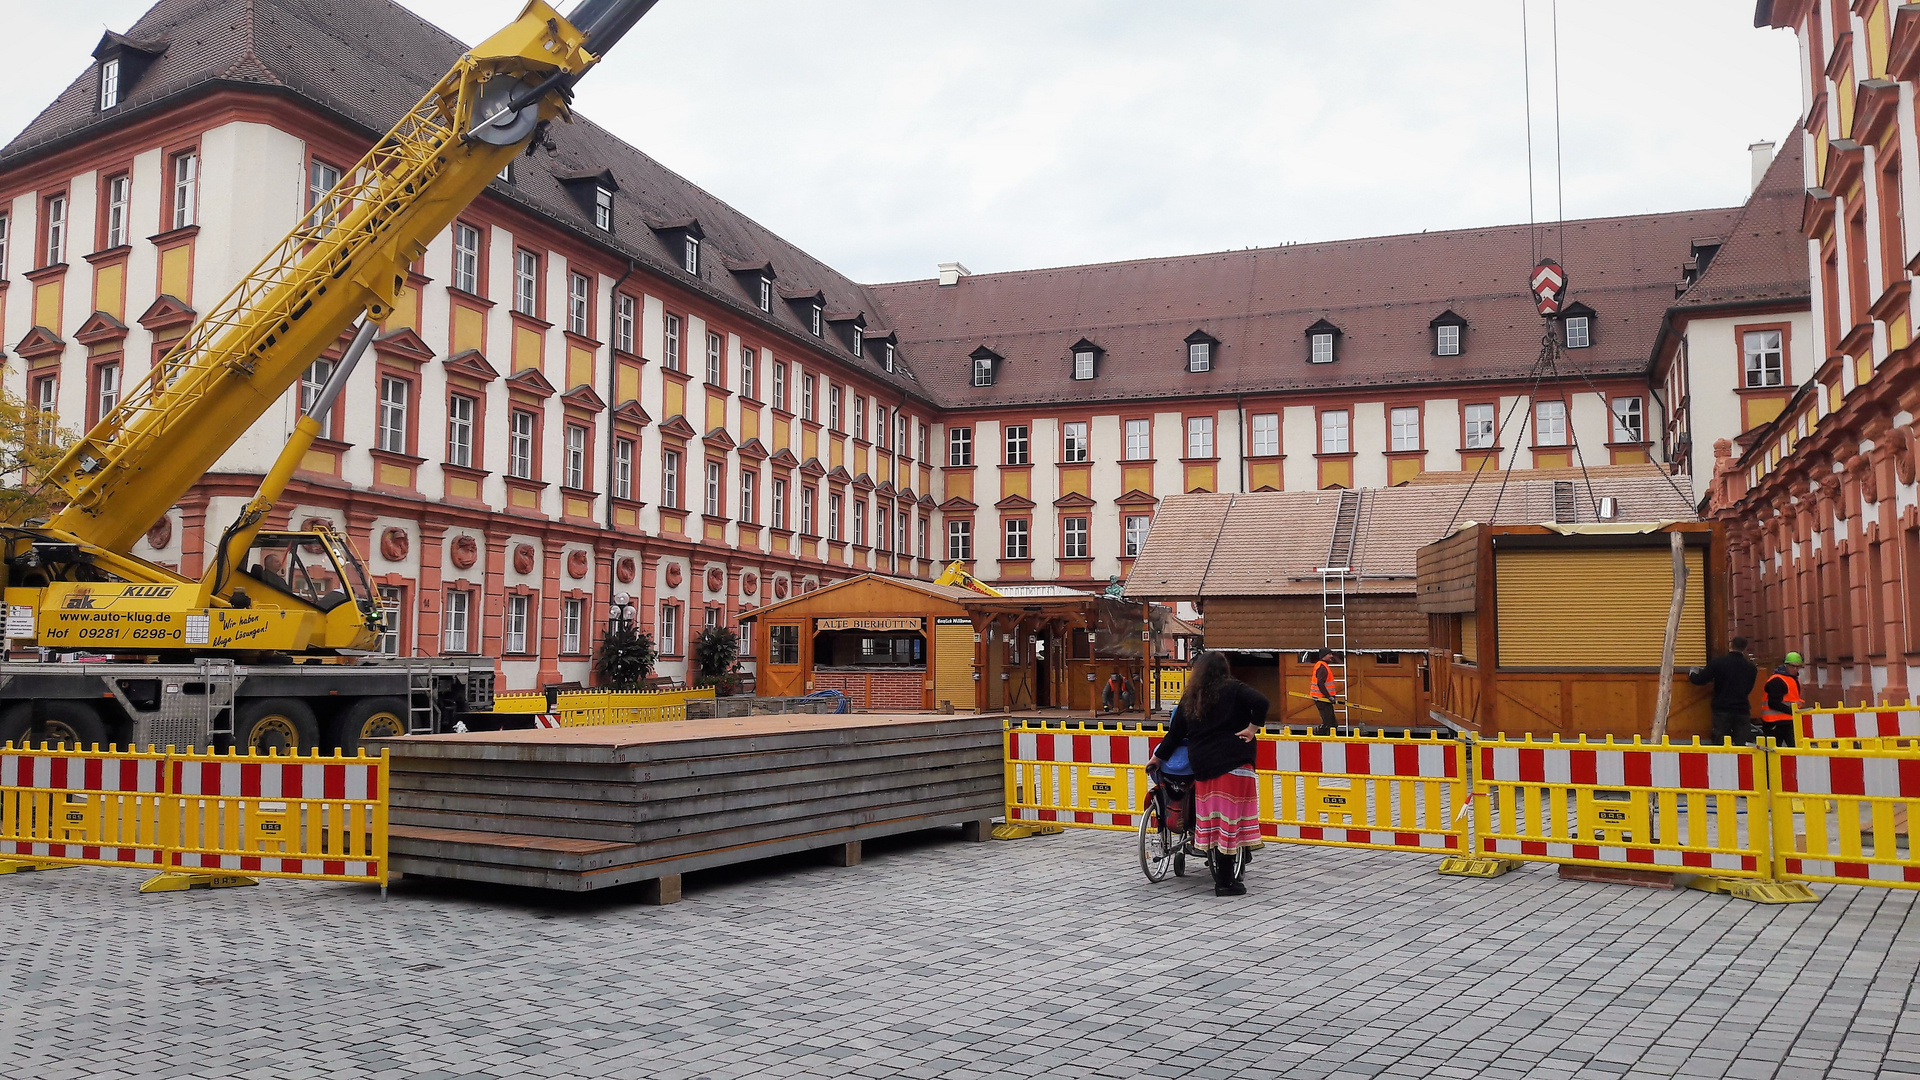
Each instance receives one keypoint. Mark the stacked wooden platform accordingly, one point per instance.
(586, 808)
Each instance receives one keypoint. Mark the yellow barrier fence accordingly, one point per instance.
(596, 708)
(1173, 683)
(1753, 821)
(201, 818)
(1679, 807)
(1088, 774)
(520, 704)
(1841, 815)
(1397, 794)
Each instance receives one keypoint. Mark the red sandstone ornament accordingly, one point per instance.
(523, 559)
(779, 588)
(716, 579)
(161, 534)
(749, 584)
(464, 553)
(394, 544)
(624, 570)
(576, 564)
(673, 575)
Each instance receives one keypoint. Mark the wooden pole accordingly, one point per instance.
(1665, 702)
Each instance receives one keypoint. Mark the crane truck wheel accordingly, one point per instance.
(276, 725)
(374, 718)
(68, 722)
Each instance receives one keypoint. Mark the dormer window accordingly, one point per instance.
(1323, 341)
(1449, 331)
(1086, 360)
(690, 254)
(818, 316)
(857, 341)
(505, 175)
(109, 84)
(1576, 326)
(766, 293)
(984, 360)
(120, 61)
(1200, 348)
(603, 209)
(886, 356)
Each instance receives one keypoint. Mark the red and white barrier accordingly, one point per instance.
(1400, 795)
(1860, 724)
(89, 807)
(1528, 818)
(266, 817)
(1080, 777)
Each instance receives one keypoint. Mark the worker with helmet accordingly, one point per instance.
(1783, 693)
(1321, 690)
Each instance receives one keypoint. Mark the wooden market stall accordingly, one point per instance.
(1559, 629)
(899, 643)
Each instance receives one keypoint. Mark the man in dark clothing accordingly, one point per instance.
(1732, 677)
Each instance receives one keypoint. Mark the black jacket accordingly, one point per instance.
(1732, 677)
(1213, 744)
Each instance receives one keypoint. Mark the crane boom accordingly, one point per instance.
(347, 258)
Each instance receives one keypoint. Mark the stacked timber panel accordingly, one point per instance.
(586, 808)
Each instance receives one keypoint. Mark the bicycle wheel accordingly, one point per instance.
(1156, 842)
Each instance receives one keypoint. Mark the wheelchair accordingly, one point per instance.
(1166, 820)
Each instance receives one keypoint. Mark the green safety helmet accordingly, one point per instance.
(1792, 658)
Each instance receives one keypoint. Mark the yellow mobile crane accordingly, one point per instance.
(74, 583)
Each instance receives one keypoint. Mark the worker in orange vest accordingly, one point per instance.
(1783, 693)
(1321, 691)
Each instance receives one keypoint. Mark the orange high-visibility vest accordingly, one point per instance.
(1322, 676)
(1790, 698)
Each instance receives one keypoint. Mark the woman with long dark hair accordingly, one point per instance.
(1217, 720)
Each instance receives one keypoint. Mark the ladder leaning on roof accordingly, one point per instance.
(1333, 595)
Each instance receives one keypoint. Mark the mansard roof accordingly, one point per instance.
(367, 62)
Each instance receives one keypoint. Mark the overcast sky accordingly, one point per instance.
(885, 136)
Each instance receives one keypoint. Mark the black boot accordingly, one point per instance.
(1226, 874)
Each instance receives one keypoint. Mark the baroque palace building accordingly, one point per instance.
(1821, 504)
(608, 381)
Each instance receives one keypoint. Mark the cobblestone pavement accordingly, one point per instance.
(936, 958)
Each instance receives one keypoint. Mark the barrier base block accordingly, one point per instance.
(1759, 892)
(1479, 866)
(1020, 830)
(22, 866)
(181, 881)
(1614, 875)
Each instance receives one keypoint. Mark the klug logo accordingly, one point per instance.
(149, 592)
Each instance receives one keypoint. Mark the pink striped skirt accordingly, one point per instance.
(1227, 812)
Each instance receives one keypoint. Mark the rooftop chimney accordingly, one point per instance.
(1762, 157)
(951, 273)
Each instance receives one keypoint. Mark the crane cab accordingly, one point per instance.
(318, 571)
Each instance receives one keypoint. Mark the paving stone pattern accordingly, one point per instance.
(1046, 957)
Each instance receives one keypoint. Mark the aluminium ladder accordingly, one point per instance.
(1333, 595)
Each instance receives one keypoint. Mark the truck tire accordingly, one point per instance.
(374, 718)
(71, 723)
(279, 725)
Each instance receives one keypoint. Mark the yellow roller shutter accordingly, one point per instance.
(953, 663)
(1606, 608)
